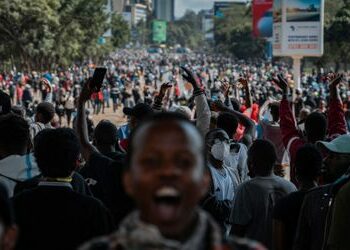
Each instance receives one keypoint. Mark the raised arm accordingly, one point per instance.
(48, 87)
(158, 100)
(264, 109)
(249, 131)
(336, 115)
(287, 120)
(203, 110)
(225, 89)
(248, 97)
(87, 148)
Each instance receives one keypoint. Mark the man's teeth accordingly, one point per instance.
(167, 192)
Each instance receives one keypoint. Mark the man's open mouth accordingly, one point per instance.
(167, 195)
(167, 200)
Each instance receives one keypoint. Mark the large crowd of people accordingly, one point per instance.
(216, 153)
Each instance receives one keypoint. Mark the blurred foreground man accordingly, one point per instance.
(8, 228)
(166, 177)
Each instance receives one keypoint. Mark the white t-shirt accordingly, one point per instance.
(237, 160)
(223, 182)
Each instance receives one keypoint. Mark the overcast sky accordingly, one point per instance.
(182, 5)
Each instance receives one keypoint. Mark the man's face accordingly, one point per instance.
(166, 177)
(335, 165)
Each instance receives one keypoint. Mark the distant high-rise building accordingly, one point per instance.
(118, 6)
(164, 9)
(148, 3)
(207, 23)
(134, 13)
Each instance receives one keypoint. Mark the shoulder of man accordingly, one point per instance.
(111, 242)
(235, 243)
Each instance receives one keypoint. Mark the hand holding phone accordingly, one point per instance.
(97, 79)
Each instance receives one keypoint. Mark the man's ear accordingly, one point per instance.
(38, 117)
(127, 181)
(9, 238)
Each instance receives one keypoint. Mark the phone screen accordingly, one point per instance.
(97, 79)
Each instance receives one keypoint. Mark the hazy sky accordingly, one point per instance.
(182, 5)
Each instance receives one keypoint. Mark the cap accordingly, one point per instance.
(5, 103)
(340, 145)
(140, 111)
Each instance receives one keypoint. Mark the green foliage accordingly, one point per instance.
(120, 31)
(233, 34)
(186, 31)
(337, 33)
(42, 33)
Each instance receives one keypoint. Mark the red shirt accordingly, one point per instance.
(336, 127)
(19, 92)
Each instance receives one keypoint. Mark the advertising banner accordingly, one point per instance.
(277, 28)
(262, 18)
(159, 29)
(301, 28)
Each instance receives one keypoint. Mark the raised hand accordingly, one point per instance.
(281, 82)
(243, 82)
(334, 79)
(46, 83)
(217, 106)
(190, 77)
(225, 87)
(86, 92)
(163, 88)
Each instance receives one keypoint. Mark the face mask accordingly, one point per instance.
(220, 150)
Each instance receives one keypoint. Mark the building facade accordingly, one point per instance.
(118, 6)
(164, 10)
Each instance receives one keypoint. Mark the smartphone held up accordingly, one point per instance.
(97, 79)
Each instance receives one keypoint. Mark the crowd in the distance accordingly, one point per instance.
(216, 154)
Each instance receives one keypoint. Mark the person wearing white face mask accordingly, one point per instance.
(218, 201)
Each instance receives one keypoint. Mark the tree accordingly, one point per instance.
(335, 35)
(42, 33)
(233, 34)
(186, 31)
(338, 36)
(120, 31)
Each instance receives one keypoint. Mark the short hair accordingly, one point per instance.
(156, 118)
(212, 135)
(308, 162)
(236, 104)
(56, 152)
(106, 133)
(315, 127)
(227, 122)
(47, 110)
(262, 156)
(14, 133)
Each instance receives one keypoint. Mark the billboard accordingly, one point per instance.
(301, 28)
(159, 29)
(221, 6)
(277, 28)
(262, 18)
